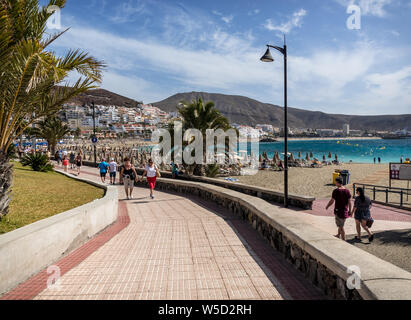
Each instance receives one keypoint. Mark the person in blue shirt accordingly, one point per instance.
(103, 166)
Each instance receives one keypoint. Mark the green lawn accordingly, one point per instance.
(38, 195)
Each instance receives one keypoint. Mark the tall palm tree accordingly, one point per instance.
(197, 115)
(52, 130)
(32, 78)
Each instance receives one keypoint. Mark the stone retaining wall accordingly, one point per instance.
(322, 258)
(29, 249)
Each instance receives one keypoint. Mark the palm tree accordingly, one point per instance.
(52, 130)
(32, 78)
(197, 115)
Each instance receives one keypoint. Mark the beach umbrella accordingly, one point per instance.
(336, 157)
(307, 157)
(311, 154)
(329, 155)
(323, 157)
(299, 154)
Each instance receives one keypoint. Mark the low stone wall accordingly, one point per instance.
(263, 193)
(27, 250)
(322, 258)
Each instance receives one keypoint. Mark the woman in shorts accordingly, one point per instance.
(152, 172)
(79, 162)
(362, 214)
(129, 174)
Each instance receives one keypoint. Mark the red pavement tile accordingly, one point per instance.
(37, 283)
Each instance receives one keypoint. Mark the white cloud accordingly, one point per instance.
(339, 80)
(294, 22)
(227, 19)
(253, 12)
(368, 7)
(128, 11)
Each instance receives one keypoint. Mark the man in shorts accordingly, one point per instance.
(342, 199)
(113, 170)
(103, 166)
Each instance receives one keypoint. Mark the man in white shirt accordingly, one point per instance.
(113, 170)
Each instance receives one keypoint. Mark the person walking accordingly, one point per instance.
(113, 171)
(129, 174)
(103, 166)
(65, 164)
(152, 172)
(379, 160)
(72, 160)
(79, 163)
(57, 157)
(341, 197)
(375, 160)
(362, 214)
(401, 159)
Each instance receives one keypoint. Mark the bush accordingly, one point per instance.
(37, 161)
(212, 170)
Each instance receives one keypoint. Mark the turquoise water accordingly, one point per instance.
(361, 151)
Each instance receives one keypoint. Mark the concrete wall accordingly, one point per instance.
(29, 249)
(321, 257)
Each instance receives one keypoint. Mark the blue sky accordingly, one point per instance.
(155, 49)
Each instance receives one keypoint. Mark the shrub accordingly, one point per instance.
(212, 170)
(37, 161)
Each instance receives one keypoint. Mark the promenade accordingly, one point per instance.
(172, 247)
(181, 247)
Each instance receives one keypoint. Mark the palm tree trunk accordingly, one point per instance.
(6, 177)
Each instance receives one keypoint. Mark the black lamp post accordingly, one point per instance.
(267, 57)
(94, 133)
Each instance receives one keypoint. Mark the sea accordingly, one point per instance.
(357, 151)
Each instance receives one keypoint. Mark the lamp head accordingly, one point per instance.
(267, 57)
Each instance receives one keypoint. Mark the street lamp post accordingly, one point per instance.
(267, 57)
(94, 133)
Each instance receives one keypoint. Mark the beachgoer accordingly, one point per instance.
(79, 162)
(379, 160)
(402, 159)
(103, 166)
(20, 151)
(129, 174)
(341, 197)
(113, 171)
(65, 164)
(375, 160)
(152, 172)
(57, 157)
(174, 170)
(362, 214)
(72, 159)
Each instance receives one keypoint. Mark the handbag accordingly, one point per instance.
(370, 222)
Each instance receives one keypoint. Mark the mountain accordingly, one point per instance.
(243, 110)
(103, 97)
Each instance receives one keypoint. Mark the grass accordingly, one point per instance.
(38, 195)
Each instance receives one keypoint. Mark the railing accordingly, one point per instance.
(402, 192)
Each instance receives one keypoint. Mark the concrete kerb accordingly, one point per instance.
(379, 279)
(29, 249)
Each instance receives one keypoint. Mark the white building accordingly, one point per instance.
(346, 129)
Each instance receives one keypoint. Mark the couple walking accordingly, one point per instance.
(343, 209)
(129, 174)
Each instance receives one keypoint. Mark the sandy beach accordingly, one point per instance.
(315, 182)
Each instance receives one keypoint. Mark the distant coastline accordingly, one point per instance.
(317, 139)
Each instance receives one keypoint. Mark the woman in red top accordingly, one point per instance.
(65, 164)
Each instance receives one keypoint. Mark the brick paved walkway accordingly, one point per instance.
(173, 247)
